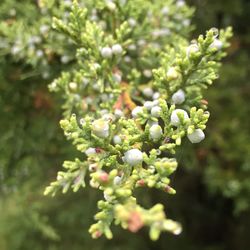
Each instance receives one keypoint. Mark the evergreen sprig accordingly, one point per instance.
(133, 95)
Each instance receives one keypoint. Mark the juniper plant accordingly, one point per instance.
(132, 95)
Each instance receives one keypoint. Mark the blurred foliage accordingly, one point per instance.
(213, 183)
(226, 153)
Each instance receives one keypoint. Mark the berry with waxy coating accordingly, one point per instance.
(197, 136)
(175, 120)
(100, 128)
(155, 132)
(106, 52)
(136, 111)
(217, 44)
(178, 97)
(133, 157)
(117, 49)
(156, 111)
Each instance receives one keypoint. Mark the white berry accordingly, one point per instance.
(132, 47)
(197, 136)
(132, 22)
(175, 118)
(106, 52)
(108, 117)
(117, 49)
(117, 139)
(117, 180)
(137, 111)
(156, 102)
(156, 111)
(73, 85)
(94, 184)
(148, 92)
(133, 157)
(148, 105)
(156, 95)
(151, 123)
(119, 113)
(39, 53)
(180, 3)
(100, 128)
(165, 10)
(172, 74)
(65, 59)
(107, 197)
(90, 151)
(111, 6)
(117, 77)
(178, 97)
(147, 73)
(155, 132)
(217, 44)
(44, 29)
(192, 49)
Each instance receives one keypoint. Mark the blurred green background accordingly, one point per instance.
(212, 182)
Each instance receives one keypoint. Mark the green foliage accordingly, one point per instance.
(227, 168)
